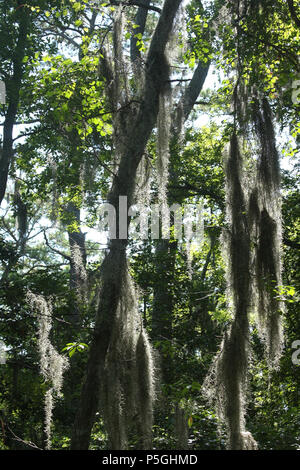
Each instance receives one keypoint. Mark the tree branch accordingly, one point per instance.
(145, 5)
(200, 191)
(20, 123)
(140, 20)
(18, 439)
(55, 250)
(193, 90)
(163, 29)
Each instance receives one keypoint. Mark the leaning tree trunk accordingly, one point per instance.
(114, 268)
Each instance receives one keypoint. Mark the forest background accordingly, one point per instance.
(157, 343)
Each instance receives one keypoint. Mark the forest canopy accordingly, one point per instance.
(149, 224)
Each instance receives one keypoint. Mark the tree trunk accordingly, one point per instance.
(115, 265)
(13, 91)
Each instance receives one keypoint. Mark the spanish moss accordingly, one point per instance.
(52, 364)
(266, 216)
(128, 387)
(228, 379)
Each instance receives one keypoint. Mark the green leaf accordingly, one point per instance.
(77, 6)
(72, 352)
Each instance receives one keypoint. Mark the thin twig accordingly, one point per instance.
(55, 250)
(18, 439)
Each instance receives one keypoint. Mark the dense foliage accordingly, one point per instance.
(71, 99)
